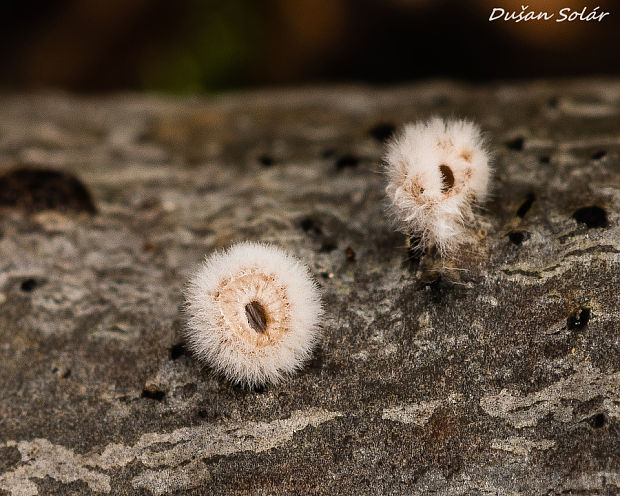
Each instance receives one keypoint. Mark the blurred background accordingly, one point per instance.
(214, 45)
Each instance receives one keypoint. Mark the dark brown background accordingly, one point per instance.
(194, 46)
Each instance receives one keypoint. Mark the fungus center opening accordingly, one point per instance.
(447, 178)
(257, 316)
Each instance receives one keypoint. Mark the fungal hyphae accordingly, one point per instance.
(436, 170)
(254, 314)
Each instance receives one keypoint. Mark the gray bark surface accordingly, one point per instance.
(495, 371)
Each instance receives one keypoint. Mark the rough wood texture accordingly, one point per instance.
(495, 372)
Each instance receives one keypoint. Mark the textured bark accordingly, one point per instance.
(496, 371)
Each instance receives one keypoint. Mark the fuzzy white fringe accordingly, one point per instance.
(436, 170)
(219, 331)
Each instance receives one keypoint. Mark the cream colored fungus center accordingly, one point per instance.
(255, 307)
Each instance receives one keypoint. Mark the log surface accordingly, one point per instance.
(495, 371)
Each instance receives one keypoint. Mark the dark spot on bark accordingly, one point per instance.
(382, 131)
(176, 351)
(347, 162)
(257, 316)
(447, 178)
(436, 286)
(526, 205)
(317, 360)
(545, 159)
(328, 152)
(149, 203)
(517, 237)
(310, 226)
(189, 390)
(592, 216)
(28, 285)
(148, 247)
(9, 458)
(34, 190)
(153, 394)
(201, 231)
(349, 253)
(441, 100)
(432, 283)
(516, 144)
(266, 160)
(209, 412)
(328, 246)
(553, 102)
(579, 319)
(597, 421)
(598, 155)
(414, 251)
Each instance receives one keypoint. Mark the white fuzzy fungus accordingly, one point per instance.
(254, 313)
(437, 170)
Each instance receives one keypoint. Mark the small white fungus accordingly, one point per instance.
(254, 313)
(437, 170)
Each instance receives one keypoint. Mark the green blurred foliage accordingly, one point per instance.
(219, 45)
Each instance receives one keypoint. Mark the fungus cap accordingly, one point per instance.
(254, 313)
(436, 171)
